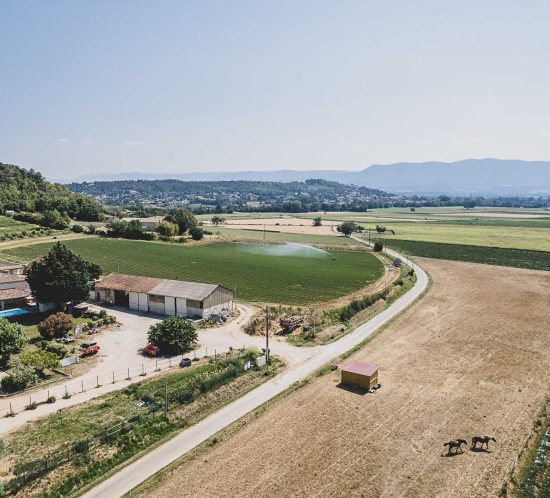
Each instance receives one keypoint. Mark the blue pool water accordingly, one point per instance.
(13, 312)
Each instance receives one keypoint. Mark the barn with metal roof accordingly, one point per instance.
(163, 296)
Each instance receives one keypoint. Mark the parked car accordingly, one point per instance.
(66, 339)
(85, 345)
(185, 362)
(151, 350)
(90, 350)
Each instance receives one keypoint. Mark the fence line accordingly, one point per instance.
(86, 383)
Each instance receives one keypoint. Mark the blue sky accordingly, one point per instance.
(111, 86)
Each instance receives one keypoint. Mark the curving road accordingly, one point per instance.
(148, 465)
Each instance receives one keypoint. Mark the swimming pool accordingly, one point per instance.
(13, 312)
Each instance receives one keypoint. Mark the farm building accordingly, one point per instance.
(14, 291)
(11, 268)
(162, 296)
(149, 223)
(360, 375)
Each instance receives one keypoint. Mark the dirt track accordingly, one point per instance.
(472, 357)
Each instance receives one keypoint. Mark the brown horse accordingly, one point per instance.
(484, 440)
(456, 444)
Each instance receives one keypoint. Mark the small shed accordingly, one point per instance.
(360, 375)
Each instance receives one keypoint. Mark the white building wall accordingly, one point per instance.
(143, 301)
(133, 300)
(170, 305)
(14, 285)
(157, 308)
(181, 307)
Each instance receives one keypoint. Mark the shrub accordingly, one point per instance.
(196, 233)
(173, 335)
(77, 228)
(53, 347)
(51, 400)
(31, 406)
(378, 246)
(56, 325)
(19, 378)
(12, 339)
(39, 359)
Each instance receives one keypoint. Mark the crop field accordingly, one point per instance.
(291, 275)
(471, 357)
(480, 235)
(515, 229)
(275, 236)
(9, 226)
(536, 260)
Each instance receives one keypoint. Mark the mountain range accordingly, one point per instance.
(490, 177)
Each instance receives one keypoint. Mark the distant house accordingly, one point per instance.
(149, 223)
(14, 291)
(11, 268)
(163, 296)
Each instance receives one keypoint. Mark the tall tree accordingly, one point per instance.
(184, 218)
(61, 276)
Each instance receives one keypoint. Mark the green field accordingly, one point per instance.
(258, 275)
(9, 226)
(499, 227)
(535, 260)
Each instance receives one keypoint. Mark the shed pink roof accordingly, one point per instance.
(361, 368)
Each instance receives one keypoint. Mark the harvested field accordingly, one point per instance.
(471, 357)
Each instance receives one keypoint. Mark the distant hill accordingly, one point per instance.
(471, 176)
(27, 191)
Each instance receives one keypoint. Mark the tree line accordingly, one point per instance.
(35, 200)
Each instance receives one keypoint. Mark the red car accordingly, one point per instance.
(90, 350)
(151, 350)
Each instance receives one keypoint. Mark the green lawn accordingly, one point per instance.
(257, 275)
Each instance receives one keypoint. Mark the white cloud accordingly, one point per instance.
(63, 140)
(87, 141)
(133, 143)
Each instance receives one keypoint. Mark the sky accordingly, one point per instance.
(185, 86)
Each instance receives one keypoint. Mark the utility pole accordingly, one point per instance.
(369, 236)
(267, 334)
(166, 400)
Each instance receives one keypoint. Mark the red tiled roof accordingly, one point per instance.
(13, 294)
(8, 278)
(127, 283)
(360, 368)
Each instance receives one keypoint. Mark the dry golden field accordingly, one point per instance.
(471, 357)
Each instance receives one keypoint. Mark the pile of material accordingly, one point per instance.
(290, 323)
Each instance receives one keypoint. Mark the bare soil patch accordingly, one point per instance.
(285, 224)
(471, 357)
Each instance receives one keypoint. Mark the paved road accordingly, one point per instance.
(148, 465)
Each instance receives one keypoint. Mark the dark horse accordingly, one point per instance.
(484, 440)
(456, 444)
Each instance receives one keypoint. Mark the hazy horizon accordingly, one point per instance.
(176, 87)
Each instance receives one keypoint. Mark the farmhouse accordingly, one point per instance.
(360, 375)
(149, 223)
(163, 296)
(14, 291)
(11, 268)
